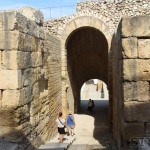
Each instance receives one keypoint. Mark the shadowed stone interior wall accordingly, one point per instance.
(30, 80)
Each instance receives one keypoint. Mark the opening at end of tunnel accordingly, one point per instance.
(94, 95)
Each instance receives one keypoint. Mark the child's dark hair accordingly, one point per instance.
(60, 114)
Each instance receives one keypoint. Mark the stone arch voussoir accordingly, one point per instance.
(85, 21)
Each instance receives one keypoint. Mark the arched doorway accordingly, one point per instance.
(87, 58)
(85, 44)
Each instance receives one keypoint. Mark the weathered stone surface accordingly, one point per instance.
(137, 111)
(135, 91)
(136, 69)
(31, 43)
(110, 12)
(9, 40)
(23, 114)
(33, 14)
(11, 98)
(36, 59)
(144, 48)
(8, 117)
(130, 130)
(136, 26)
(15, 98)
(29, 76)
(10, 79)
(15, 20)
(25, 95)
(129, 46)
(8, 20)
(34, 109)
(36, 92)
(16, 60)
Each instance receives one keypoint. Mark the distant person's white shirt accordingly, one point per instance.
(59, 124)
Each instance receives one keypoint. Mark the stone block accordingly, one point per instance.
(13, 20)
(8, 117)
(9, 40)
(137, 111)
(15, 98)
(10, 79)
(136, 69)
(33, 14)
(15, 40)
(129, 46)
(36, 58)
(144, 48)
(11, 98)
(31, 43)
(130, 130)
(16, 60)
(135, 91)
(8, 20)
(29, 76)
(137, 26)
(25, 95)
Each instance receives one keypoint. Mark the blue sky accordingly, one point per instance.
(53, 12)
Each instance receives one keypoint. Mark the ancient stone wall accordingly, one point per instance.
(30, 80)
(135, 42)
(110, 12)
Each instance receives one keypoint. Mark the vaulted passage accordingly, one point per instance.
(87, 58)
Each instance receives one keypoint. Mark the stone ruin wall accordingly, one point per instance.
(108, 12)
(131, 77)
(30, 80)
(136, 76)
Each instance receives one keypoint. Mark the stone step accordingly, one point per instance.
(54, 145)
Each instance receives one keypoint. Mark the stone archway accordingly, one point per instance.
(98, 31)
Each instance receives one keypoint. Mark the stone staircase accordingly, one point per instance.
(54, 145)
